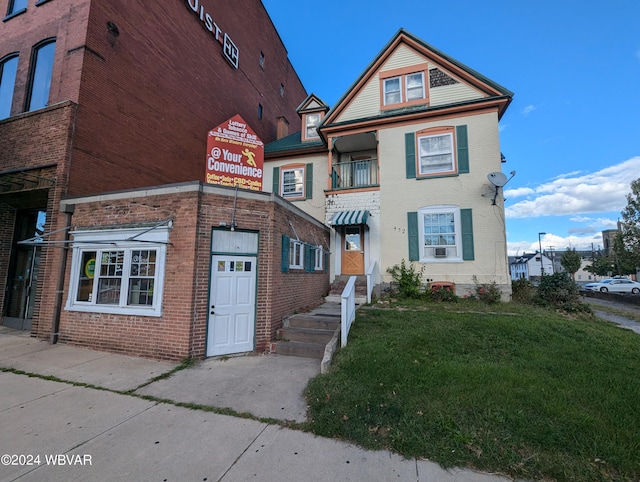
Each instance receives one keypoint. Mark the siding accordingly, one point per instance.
(450, 94)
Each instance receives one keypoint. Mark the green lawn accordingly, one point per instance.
(507, 388)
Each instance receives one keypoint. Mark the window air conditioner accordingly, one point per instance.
(440, 252)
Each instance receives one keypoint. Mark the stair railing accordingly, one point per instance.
(348, 309)
(370, 279)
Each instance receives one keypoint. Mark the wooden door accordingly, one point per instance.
(353, 250)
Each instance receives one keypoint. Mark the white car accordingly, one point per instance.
(615, 285)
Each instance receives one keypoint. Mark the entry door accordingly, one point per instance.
(353, 250)
(232, 305)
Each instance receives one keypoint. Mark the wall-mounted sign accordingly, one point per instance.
(235, 155)
(229, 49)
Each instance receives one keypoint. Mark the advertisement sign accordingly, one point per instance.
(235, 156)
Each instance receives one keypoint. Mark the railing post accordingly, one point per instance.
(347, 308)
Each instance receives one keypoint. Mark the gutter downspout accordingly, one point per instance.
(67, 209)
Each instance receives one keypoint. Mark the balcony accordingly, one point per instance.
(355, 174)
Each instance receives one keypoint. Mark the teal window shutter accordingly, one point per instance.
(466, 225)
(308, 192)
(410, 154)
(462, 141)
(414, 242)
(308, 258)
(275, 188)
(284, 262)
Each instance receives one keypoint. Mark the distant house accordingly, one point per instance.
(530, 266)
(398, 168)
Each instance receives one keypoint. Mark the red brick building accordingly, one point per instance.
(208, 289)
(109, 95)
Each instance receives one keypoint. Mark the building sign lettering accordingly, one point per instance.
(229, 49)
(235, 156)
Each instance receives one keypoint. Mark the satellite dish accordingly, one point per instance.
(498, 179)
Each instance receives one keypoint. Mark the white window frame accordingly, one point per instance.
(423, 153)
(319, 257)
(453, 251)
(408, 89)
(312, 121)
(387, 91)
(121, 240)
(298, 193)
(296, 254)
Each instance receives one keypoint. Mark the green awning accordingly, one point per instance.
(349, 218)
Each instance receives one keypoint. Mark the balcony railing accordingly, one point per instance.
(352, 174)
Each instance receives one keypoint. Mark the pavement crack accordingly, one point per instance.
(243, 452)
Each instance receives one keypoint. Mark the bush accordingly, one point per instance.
(440, 294)
(488, 293)
(558, 290)
(523, 291)
(407, 279)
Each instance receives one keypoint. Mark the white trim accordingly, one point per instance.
(126, 241)
(453, 251)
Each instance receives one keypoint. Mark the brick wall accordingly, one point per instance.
(196, 209)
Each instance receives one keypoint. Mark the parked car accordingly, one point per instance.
(615, 285)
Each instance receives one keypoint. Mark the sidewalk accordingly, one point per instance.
(126, 437)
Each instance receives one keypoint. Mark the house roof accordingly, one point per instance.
(493, 89)
(293, 143)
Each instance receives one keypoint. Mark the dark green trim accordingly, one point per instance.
(412, 231)
(276, 181)
(308, 173)
(410, 154)
(462, 145)
(284, 262)
(466, 227)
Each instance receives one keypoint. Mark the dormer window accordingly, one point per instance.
(311, 126)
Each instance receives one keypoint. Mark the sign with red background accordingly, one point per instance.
(235, 155)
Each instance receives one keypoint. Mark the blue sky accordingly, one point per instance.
(572, 132)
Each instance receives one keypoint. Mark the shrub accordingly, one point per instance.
(558, 290)
(440, 293)
(523, 291)
(487, 292)
(407, 279)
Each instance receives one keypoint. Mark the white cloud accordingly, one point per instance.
(528, 109)
(556, 243)
(573, 194)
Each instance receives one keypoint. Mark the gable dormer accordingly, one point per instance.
(311, 112)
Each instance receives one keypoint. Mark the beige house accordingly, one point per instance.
(407, 165)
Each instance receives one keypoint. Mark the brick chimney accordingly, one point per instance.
(283, 128)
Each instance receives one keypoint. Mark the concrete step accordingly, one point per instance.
(315, 321)
(306, 335)
(360, 299)
(297, 348)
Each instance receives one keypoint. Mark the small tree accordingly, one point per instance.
(631, 221)
(571, 262)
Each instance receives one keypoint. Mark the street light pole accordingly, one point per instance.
(540, 247)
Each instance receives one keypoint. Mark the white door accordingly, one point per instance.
(232, 305)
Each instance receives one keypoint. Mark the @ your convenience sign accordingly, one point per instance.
(235, 155)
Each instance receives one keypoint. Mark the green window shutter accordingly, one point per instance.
(414, 242)
(462, 141)
(276, 181)
(308, 261)
(410, 154)
(466, 225)
(308, 192)
(284, 262)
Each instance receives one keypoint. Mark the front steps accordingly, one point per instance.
(340, 281)
(307, 334)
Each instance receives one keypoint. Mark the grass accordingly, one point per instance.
(504, 388)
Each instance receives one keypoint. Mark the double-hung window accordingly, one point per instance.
(118, 271)
(436, 153)
(441, 233)
(296, 254)
(312, 121)
(40, 75)
(403, 87)
(293, 183)
(8, 70)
